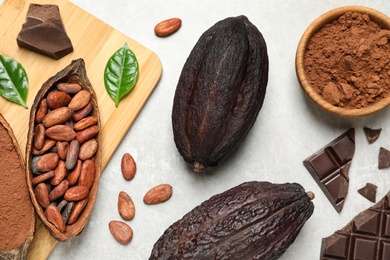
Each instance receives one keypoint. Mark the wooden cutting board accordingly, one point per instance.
(95, 42)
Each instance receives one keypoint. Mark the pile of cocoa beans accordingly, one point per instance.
(63, 153)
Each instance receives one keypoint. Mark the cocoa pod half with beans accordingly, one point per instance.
(220, 91)
(254, 220)
(66, 151)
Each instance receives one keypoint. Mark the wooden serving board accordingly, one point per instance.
(95, 42)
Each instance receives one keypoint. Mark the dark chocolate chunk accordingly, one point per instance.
(383, 158)
(369, 191)
(372, 134)
(365, 237)
(330, 167)
(44, 33)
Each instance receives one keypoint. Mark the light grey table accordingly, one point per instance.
(288, 129)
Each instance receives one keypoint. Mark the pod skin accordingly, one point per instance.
(254, 220)
(220, 92)
(75, 72)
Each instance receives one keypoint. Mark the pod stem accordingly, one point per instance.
(198, 167)
(311, 195)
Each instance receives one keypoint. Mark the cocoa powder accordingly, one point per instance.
(15, 208)
(347, 61)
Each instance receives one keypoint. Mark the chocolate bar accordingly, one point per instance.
(44, 33)
(330, 167)
(365, 237)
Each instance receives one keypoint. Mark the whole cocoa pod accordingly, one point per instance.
(254, 220)
(220, 91)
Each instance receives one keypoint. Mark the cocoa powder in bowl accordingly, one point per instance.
(347, 61)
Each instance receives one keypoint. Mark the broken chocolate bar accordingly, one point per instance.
(44, 33)
(330, 167)
(368, 191)
(383, 158)
(372, 134)
(365, 237)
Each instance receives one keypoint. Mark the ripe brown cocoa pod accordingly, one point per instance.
(220, 92)
(254, 220)
(71, 80)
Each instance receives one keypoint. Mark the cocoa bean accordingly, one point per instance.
(39, 136)
(57, 116)
(70, 88)
(41, 193)
(41, 111)
(80, 100)
(74, 175)
(87, 175)
(78, 208)
(85, 122)
(76, 193)
(158, 194)
(43, 177)
(61, 133)
(67, 211)
(126, 206)
(53, 215)
(47, 162)
(62, 149)
(121, 231)
(57, 99)
(34, 165)
(78, 115)
(60, 173)
(47, 145)
(128, 166)
(61, 205)
(167, 27)
(86, 134)
(88, 149)
(72, 155)
(59, 190)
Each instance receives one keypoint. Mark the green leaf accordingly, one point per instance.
(13, 81)
(121, 73)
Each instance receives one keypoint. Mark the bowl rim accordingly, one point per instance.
(376, 16)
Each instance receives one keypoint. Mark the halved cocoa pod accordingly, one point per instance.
(17, 225)
(74, 73)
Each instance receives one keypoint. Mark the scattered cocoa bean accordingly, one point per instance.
(126, 206)
(128, 166)
(121, 231)
(57, 99)
(167, 27)
(158, 194)
(88, 149)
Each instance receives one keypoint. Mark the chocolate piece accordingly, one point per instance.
(44, 33)
(372, 134)
(330, 167)
(383, 158)
(367, 236)
(369, 191)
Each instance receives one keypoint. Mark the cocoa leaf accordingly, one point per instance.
(13, 81)
(121, 73)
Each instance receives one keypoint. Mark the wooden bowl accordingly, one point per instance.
(381, 19)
